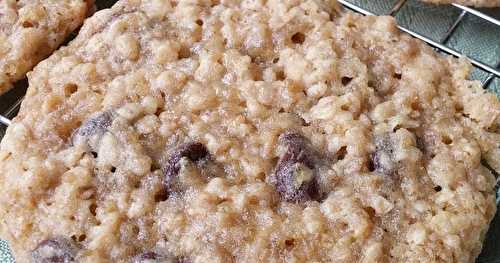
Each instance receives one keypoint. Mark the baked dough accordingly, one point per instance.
(30, 30)
(248, 131)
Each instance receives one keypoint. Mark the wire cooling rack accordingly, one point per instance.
(441, 44)
(441, 37)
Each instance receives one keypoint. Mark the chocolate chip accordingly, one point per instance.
(150, 257)
(191, 152)
(421, 144)
(295, 172)
(297, 149)
(97, 124)
(341, 153)
(92, 129)
(346, 80)
(383, 157)
(298, 38)
(146, 257)
(56, 250)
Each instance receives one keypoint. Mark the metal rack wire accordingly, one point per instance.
(441, 45)
(493, 71)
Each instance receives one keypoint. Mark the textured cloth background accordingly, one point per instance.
(474, 37)
(5, 255)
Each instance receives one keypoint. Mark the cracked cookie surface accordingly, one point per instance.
(248, 131)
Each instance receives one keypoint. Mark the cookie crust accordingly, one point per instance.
(30, 30)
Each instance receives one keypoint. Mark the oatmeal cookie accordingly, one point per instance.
(478, 3)
(30, 30)
(248, 131)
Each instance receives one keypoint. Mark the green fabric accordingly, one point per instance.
(474, 37)
(5, 255)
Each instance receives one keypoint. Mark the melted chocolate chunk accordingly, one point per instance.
(297, 149)
(421, 144)
(295, 172)
(383, 157)
(56, 250)
(191, 151)
(150, 257)
(96, 125)
(146, 257)
(92, 130)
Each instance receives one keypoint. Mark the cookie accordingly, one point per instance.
(248, 131)
(30, 30)
(478, 3)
